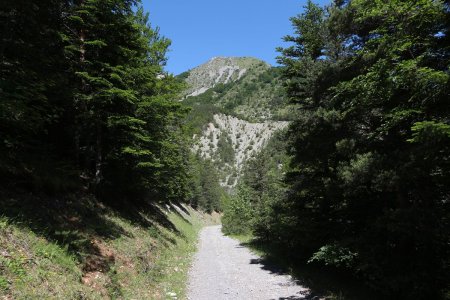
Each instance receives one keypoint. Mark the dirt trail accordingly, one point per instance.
(223, 269)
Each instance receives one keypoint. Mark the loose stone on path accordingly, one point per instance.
(223, 269)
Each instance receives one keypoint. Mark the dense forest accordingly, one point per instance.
(366, 189)
(86, 102)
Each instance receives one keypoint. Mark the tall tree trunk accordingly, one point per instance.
(81, 107)
(98, 155)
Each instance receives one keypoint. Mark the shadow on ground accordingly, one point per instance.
(320, 281)
(304, 297)
(77, 221)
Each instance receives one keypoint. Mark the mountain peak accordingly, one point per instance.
(220, 70)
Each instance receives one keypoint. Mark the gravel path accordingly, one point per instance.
(223, 269)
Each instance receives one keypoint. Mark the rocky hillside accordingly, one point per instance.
(219, 70)
(237, 104)
(247, 88)
(233, 141)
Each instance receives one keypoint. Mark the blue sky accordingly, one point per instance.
(201, 29)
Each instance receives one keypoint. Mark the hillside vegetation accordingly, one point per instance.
(78, 248)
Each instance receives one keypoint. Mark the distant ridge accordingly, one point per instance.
(219, 70)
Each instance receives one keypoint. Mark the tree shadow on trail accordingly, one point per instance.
(274, 267)
(319, 281)
(301, 297)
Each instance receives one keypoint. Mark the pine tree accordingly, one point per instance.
(370, 147)
(85, 96)
(125, 112)
(33, 91)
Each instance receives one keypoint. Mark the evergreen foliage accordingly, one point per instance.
(253, 207)
(367, 187)
(32, 90)
(206, 192)
(84, 95)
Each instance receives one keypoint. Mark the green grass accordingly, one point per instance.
(175, 260)
(33, 268)
(89, 251)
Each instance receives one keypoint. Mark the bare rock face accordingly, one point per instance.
(246, 139)
(218, 70)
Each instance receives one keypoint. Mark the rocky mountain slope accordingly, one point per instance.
(237, 105)
(219, 70)
(247, 88)
(233, 141)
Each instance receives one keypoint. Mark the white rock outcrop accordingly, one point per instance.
(247, 139)
(217, 70)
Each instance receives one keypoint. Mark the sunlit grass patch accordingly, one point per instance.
(31, 266)
(98, 253)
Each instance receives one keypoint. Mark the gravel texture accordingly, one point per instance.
(223, 269)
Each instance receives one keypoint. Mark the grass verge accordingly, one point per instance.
(77, 248)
